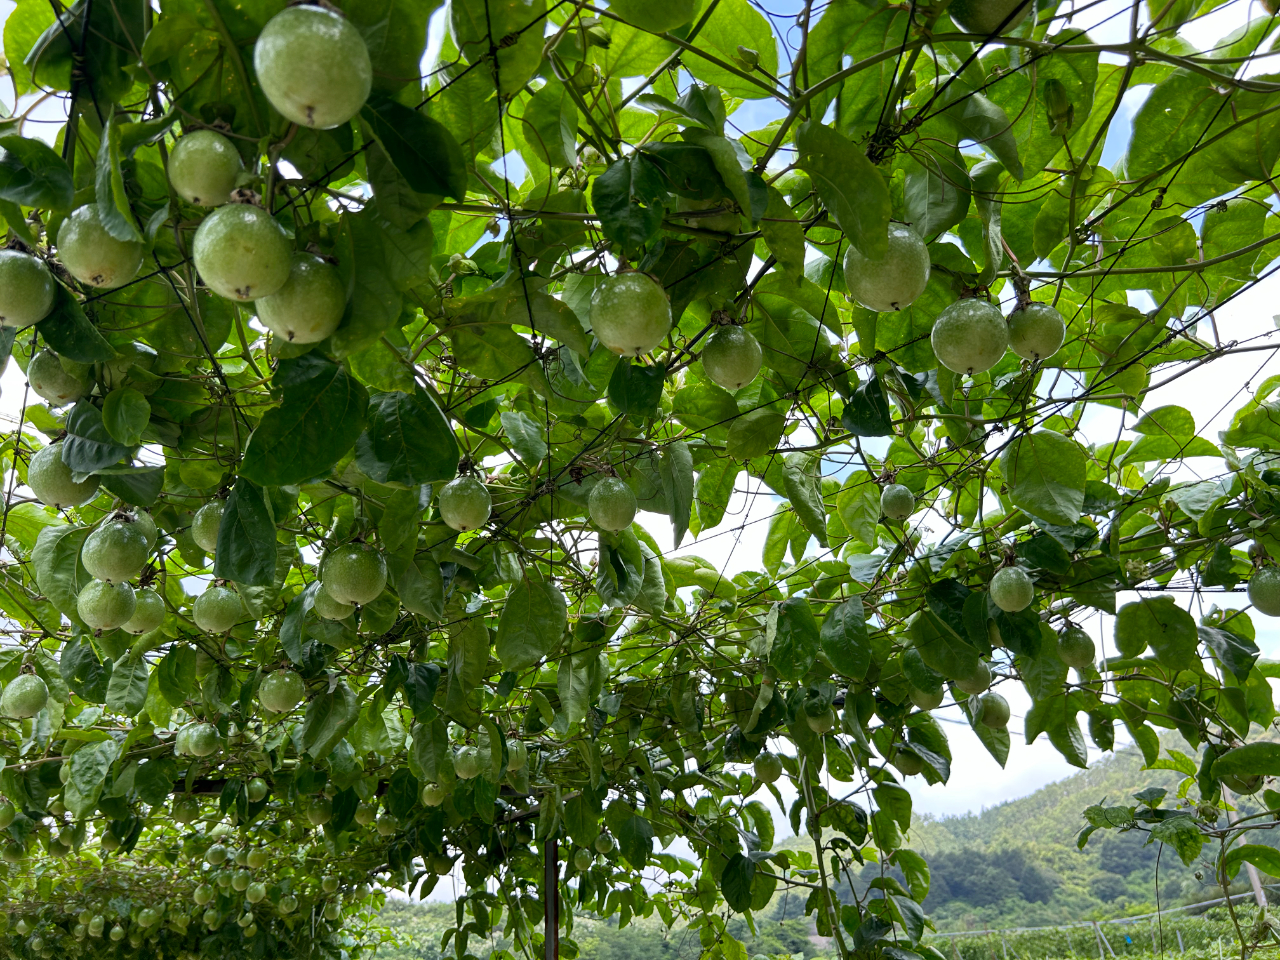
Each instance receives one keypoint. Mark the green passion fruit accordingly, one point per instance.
(465, 504)
(203, 167)
(994, 710)
(466, 763)
(309, 306)
(26, 289)
(1264, 591)
(241, 253)
(148, 612)
(894, 281)
(202, 740)
(51, 481)
(281, 691)
(976, 682)
(53, 382)
(732, 357)
(925, 699)
(612, 504)
(969, 336)
(767, 766)
(517, 755)
(94, 256)
(206, 524)
(1075, 647)
(106, 606)
(313, 66)
(354, 573)
(433, 795)
(630, 313)
(1012, 590)
(218, 609)
(24, 697)
(116, 549)
(328, 608)
(1036, 331)
(897, 502)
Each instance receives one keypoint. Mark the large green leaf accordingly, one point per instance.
(532, 624)
(32, 175)
(1161, 624)
(850, 187)
(407, 441)
(796, 641)
(1046, 475)
(246, 537)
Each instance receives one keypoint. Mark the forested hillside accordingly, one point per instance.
(1016, 864)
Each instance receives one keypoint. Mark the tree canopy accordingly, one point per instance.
(374, 418)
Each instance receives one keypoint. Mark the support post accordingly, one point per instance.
(551, 899)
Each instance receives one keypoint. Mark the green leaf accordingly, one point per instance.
(1162, 625)
(867, 412)
(125, 414)
(636, 389)
(1183, 834)
(58, 571)
(88, 446)
(395, 32)
(849, 186)
(1266, 859)
(532, 624)
(1251, 760)
(802, 482)
(246, 550)
(735, 882)
(421, 147)
(329, 716)
(407, 440)
(68, 331)
(113, 202)
(845, 642)
(783, 236)
(177, 675)
(675, 466)
(33, 175)
(797, 640)
(1238, 654)
(628, 197)
(754, 434)
(468, 663)
(318, 421)
(89, 766)
(734, 23)
(1046, 476)
(635, 840)
(525, 436)
(936, 191)
(551, 125)
(127, 689)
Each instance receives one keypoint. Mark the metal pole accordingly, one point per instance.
(1181, 948)
(551, 899)
(1259, 896)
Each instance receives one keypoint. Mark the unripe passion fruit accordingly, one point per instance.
(1264, 591)
(986, 16)
(612, 504)
(216, 854)
(630, 314)
(465, 504)
(977, 682)
(767, 766)
(925, 699)
(1036, 331)
(354, 573)
(823, 722)
(366, 813)
(203, 168)
(387, 825)
(441, 864)
(257, 790)
(309, 306)
(116, 550)
(517, 755)
(26, 289)
(186, 809)
(241, 253)
(255, 892)
(969, 336)
(1012, 590)
(148, 612)
(24, 697)
(582, 859)
(732, 357)
(907, 763)
(94, 256)
(147, 524)
(217, 610)
(201, 741)
(897, 502)
(433, 795)
(320, 811)
(206, 523)
(894, 282)
(1244, 785)
(603, 843)
(995, 710)
(313, 66)
(330, 609)
(466, 763)
(50, 480)
(1075, 648)
(106, 606)
(281, 691)
(52, 382)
